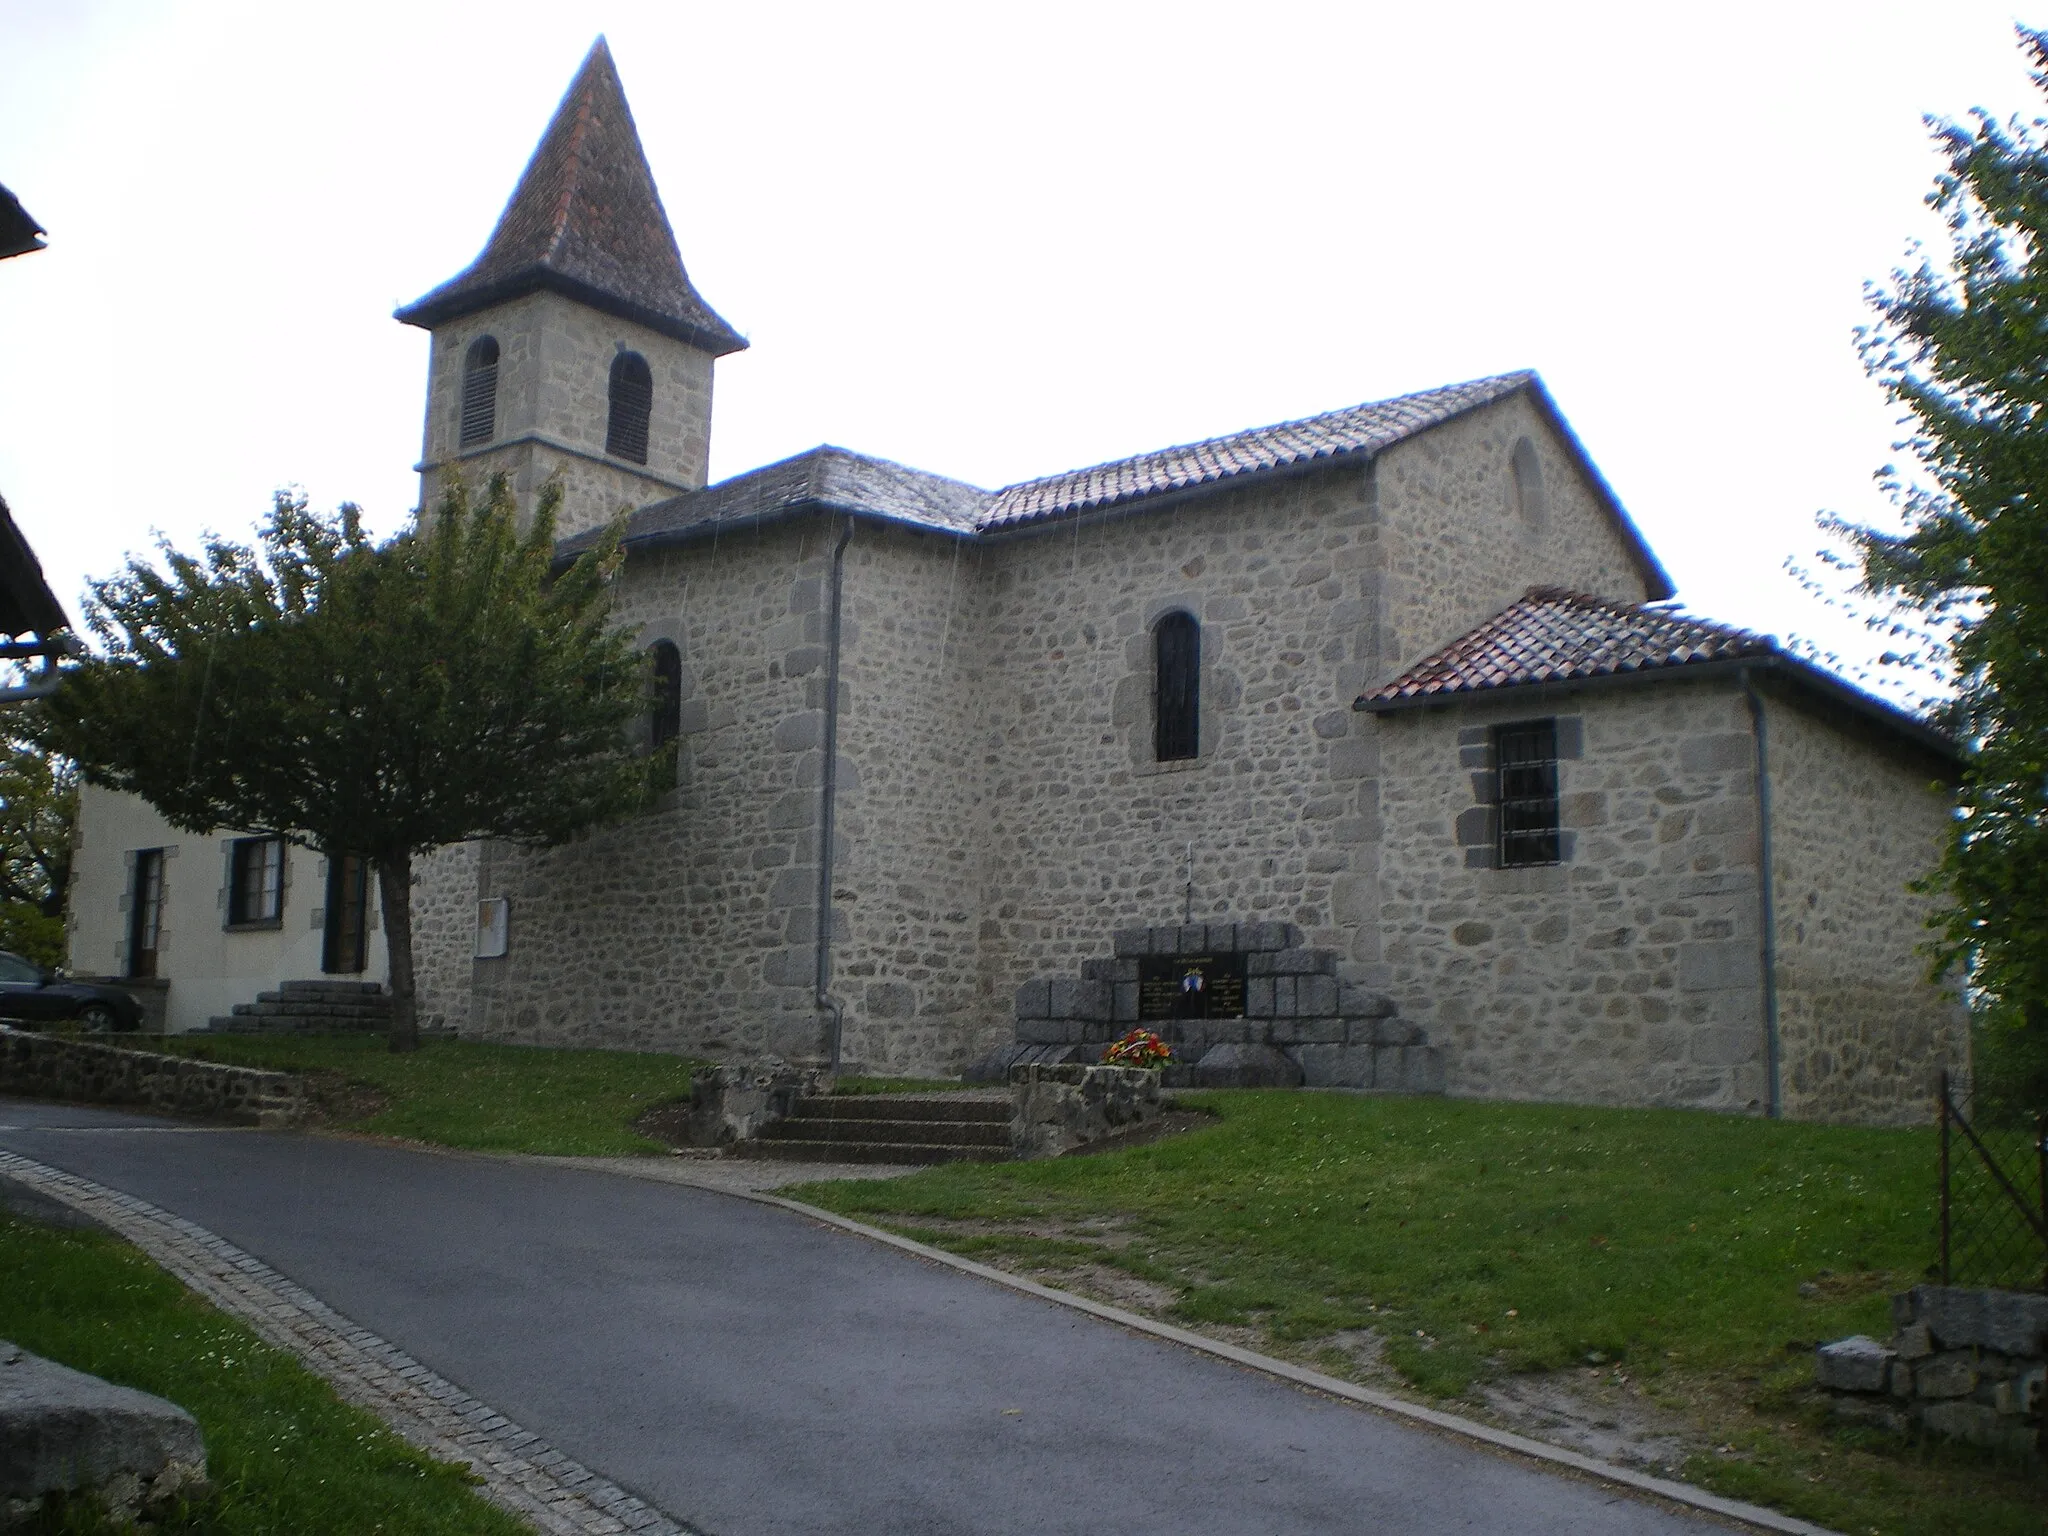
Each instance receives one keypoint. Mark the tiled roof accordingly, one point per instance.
(827, 478)
(1366, 429)
(851, 482)
(587, 221)
(1551, 636)
(27, 605)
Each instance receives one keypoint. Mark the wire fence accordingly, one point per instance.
(1994, 1194)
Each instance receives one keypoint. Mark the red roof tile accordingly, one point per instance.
(1552, 635)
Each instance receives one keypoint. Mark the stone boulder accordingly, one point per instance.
(62, 1431)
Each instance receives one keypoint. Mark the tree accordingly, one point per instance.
(1964, 349)
(376, 700)
(38, 808)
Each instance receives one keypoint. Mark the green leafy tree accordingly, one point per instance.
(1963, 347)
(378, 700)
(38, 810)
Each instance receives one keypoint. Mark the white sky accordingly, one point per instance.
(993, 241)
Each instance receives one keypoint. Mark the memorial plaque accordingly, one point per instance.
(1191, 987)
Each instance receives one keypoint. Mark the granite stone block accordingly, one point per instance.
(1855, 1364)
(1334, 1066)
(1315, 997)
(1034, 999)
(1048, 1031)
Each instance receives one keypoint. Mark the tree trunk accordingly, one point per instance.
(394, 890)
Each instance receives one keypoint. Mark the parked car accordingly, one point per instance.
(32, 995)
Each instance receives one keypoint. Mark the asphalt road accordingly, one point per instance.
(752, 1372)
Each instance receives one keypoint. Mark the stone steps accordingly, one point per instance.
(888, 1128)
(310, 1008)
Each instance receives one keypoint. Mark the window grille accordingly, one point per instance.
(667, 721)
(256, 882)
(632, 403)
(1526, 764)
(145, 911)
(1177, 688)
(480, 392)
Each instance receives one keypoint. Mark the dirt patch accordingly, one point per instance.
(1604, 1414)
(1105, 1283)
(667, 1123)
(332, 1099)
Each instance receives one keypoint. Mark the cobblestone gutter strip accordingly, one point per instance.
(520, 1472)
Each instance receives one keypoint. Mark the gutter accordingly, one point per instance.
(828, 794)
(1766, 898)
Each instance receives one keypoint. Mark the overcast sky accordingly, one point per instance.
(993, 241)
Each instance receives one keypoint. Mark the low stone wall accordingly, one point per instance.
(82, 1072)
(1961, 1363)
(1055, 1109)
(736, 1103)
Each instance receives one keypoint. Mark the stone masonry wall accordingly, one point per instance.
(83, 1072)
(1308, 591)
(672, 930)
(1631, 973)
(1855, 818)
(554, 379)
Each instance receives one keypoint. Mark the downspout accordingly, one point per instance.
(828, 787)
(1766, 900)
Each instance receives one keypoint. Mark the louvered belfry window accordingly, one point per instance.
(1526, 760)
(480, 392)
(632, 404)
(1177, 688)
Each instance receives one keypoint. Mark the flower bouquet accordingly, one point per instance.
(1139, 1048)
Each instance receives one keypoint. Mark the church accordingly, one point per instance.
(1403, 679)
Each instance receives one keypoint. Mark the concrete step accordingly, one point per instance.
(946, 1133)
(931, 1108)
(283, 1006)
(867, 1152)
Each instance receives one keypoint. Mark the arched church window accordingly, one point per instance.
(666, 722)
(1528, 474)
(1176, 688)
(480, 392)
(632, 402)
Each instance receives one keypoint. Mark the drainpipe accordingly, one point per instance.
(1766, 897)
(828, 787)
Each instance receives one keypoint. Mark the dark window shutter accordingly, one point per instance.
(480, 392)
(1177, 688)
(632, 403)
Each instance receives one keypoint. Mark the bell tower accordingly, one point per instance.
(575, 347)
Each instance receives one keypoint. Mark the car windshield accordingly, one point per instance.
(14, 968)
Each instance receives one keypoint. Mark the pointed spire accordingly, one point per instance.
(587, 222)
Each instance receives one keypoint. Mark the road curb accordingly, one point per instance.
(1684, 1495)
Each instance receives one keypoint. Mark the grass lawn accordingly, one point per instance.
(284, 1454)
(1686, 1260)
(455, 1093)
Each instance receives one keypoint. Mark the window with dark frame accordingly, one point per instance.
(145, 911)
(1525, 758)
(256, 882)
(480, 392)
(666, 722)
(632, 402)
(1177, 688)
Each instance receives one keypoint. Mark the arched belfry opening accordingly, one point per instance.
(632, 403)
(1176, 688)
(480, 392)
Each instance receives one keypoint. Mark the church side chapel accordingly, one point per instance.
(1367, 750)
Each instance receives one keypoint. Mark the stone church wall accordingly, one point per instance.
(1855, 818)
(1629, 974)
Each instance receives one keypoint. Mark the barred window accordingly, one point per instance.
(1525, 756)
(1177, 688)
(480, 392)
(625, 436)
(256, 882)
